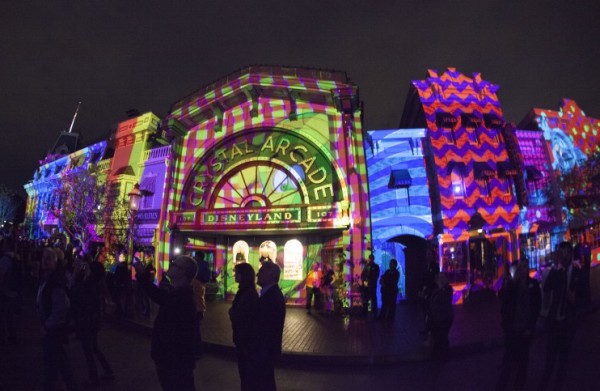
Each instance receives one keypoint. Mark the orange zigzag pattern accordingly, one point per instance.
(490, 218)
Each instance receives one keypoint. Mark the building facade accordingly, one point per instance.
(570, 138)
(63, 171)
(268, 162)
(273, 162)
(474, 208)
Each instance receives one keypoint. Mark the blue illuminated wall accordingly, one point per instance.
(399, 194)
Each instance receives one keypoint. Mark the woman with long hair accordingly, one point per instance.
(242, 313)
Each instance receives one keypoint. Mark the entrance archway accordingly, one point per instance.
(414, 249)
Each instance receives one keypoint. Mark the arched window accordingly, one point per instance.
(268, 249)
(293, 256)
(259, 184)
(240, 252)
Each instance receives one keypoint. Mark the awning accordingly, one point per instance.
(399, 179)
(492, 121)
(483, 171)
(470, 120)
(445, 120)
(148, 184)
(462, 167)
(533, 174)
(125, 170)
(506, 169)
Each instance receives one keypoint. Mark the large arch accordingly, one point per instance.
(312, 166)
(410, 250)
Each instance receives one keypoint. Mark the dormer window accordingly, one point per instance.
(472, 123)
(447, 122)
(483, 173)
(494, 124)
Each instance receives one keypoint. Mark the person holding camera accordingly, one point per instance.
(172, 348)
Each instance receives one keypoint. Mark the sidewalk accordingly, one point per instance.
(343, 341)
(336, 340)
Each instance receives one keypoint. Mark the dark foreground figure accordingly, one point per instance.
(173, 333)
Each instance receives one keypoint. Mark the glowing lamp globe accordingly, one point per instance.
(134, 198)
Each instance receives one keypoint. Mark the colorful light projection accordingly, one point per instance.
(464, 118)
(133, 162)
(45, 204)
(538, 176)
(271, 149)
(571, 137)
(571, 134)
(399, 194)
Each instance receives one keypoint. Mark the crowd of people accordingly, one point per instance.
(68, 287)
(72, 288)
(257, 323)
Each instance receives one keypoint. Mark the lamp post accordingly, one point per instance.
(134, 205)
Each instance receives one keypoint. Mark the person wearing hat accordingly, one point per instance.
(172, 348)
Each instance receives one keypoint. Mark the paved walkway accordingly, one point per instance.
(338, 340)
(353, 340)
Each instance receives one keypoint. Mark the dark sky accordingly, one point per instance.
(115, 55)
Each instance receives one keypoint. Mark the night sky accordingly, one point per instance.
(145, 55)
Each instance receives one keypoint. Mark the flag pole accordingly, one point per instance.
(74, 116)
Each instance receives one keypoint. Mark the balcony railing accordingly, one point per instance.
(157, 153)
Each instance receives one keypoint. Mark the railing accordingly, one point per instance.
(157, 153)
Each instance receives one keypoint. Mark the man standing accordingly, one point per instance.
(173, 333)
(369, 277)
(121, 283)
(521, 301)
(389, 292)
(269, 321)
(560, 291)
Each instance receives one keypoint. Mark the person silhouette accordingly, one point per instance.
(172, 348)
(242, 315)
(268, 323)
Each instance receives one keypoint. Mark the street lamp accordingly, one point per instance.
(134, 205)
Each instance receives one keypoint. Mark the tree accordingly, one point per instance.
(11, 205)
(81, 202)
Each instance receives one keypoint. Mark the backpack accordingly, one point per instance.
(203, 272)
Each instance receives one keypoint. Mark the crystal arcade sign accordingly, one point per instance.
(265, 179)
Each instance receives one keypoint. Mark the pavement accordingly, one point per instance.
(352, 340)
(128, 352)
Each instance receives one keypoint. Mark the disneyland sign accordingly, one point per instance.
(307, 217)
(249, 217)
